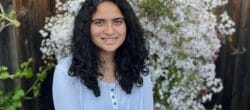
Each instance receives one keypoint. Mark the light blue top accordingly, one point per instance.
(70, 94)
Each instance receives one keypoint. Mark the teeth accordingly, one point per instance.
(109, 40)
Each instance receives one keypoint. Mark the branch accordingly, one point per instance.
(4, 17)
(1, 8)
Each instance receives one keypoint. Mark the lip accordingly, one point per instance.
(109, 37)
(109, 40)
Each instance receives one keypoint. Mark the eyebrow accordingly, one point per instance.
(118, 18)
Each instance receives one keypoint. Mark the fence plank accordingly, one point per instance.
(8, 49)
(32, 15)
(245, 31)
(234, 69)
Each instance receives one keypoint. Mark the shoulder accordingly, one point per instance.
(61, 77)
(61, 71)
(65, 89)
(64, 63)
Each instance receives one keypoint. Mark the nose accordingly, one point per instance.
(109, 30)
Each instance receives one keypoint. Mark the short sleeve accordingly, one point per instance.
(65, 88)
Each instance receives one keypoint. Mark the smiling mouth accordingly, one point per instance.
(110, 41)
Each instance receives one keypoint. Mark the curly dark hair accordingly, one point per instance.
(129, 59)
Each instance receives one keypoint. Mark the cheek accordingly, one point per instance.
(122, 31)
(95, 32)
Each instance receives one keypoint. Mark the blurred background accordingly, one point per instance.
(17, 45)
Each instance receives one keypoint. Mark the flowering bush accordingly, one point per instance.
(184, 49)
(182, 36)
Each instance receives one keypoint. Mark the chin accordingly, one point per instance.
(109, 49)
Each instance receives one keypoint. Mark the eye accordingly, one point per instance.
(118, 22)
(98, 22)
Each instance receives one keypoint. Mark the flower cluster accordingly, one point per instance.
(58, 29)
(182, 51)
(182, 36)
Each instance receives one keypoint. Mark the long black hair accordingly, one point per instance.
(129, 59)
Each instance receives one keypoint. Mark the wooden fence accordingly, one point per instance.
(17, 45)
(233, 65)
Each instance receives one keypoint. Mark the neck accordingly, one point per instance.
(107, 57)
(107, 66)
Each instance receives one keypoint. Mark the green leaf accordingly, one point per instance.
(172, 28)
(183, 55)
(28, 73)
(4, 75)
(169, 28)
(153, 9)
(18, 94)
(41, 76)
(36, 90)
(24, 64)
(3, 68)
(1, 19)
(18, 74)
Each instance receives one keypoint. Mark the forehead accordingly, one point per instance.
(107, 10)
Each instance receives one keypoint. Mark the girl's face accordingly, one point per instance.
(108, 28)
